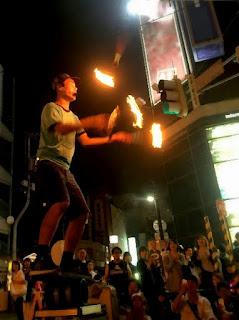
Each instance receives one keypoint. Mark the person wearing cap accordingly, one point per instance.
(60, 127)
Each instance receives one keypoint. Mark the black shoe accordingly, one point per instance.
(43, 263)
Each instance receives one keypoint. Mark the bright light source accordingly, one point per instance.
(104, 78)
(114, 239)
(150, 198)
(136, 111)
(147, 8)
(157, 137)
(137, 276)
(133, 250)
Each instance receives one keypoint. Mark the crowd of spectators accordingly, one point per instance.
(169, 282)
(175, 282)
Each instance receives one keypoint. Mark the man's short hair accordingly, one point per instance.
(192, 278)
(61, 77)
(143, 248)
(116, 248)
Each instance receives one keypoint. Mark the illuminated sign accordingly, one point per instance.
(161, 46)
(223, 143)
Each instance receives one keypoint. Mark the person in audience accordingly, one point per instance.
(18, 288)
(224, 259)
(81, 263)
(212, 294)
(173, 262)
(236, 242)
(91, 271)
(26, 270)
(154, 251)
(133, 288)
(128, 259)
(228, 307)
(190, 304)
(118, 274)
(202, 259)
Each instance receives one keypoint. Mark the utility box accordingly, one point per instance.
(204, 30)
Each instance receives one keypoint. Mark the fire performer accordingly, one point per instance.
(59, 129)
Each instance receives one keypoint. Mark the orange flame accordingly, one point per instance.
(156, 135)
(104, 78)
(135, 109)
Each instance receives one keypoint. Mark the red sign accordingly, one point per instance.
(162, 47)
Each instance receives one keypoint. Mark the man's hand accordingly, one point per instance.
(183, 289)
(117, 59)
(121, 136)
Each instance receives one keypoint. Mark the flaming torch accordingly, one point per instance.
(104, 78)
(157, 135)
(135, 109)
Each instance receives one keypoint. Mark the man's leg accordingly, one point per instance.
(50, 180)
(51, 221)
(74, 232)
(78, 213)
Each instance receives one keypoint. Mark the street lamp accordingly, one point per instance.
(152, 199)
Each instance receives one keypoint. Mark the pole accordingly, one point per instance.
(159, 220)
(211, 244)
(14, 240)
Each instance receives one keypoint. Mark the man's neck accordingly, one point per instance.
(63, 103)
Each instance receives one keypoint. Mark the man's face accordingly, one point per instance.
(144, 254)
(153, 244)
(189, 252)
(116, 254)
(192, 286)
(90, 266)
(133, 288)
(128, 258)
(81, 254)
(68, 90)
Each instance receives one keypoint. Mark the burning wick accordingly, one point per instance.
(157, 135)
(104, 78)
(135, 109)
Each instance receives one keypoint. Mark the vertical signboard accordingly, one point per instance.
(161, 45)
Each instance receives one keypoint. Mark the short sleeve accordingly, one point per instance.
(51, 115)
(81, 130)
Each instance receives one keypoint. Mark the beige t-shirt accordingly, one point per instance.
(54, 146)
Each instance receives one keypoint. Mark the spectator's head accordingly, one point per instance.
(15, 266)
(153, 244)
(116, 252)
(27, 263)
(201, 242)
(216, 278)
(143, 252)
(164, 245)
(223, 290)
(137, 300)
(127, 257)
(237, 236)
(133, 287)
(188, 251)
(81, 254)
(192, 285)
(222, 249)
(90, 266)
(172, 245)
